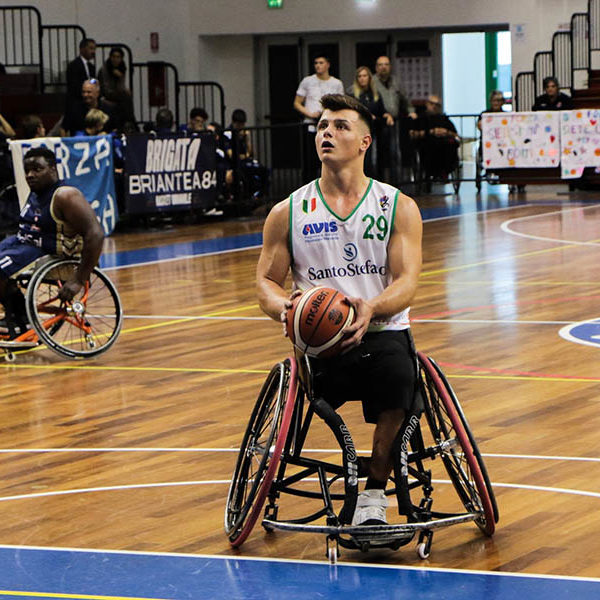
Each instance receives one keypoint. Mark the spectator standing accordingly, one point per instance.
(308, 103)
(364, 90)
(113, 87)
(79, 70)
(552, 98)
(398, 108)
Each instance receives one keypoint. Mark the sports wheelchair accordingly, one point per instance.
(272, 461)
(84, 327)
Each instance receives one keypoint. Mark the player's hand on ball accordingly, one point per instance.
(354, 333)
(289, 303)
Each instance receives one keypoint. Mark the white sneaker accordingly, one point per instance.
(370, 508)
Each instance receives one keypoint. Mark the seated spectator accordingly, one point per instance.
(197, 121)
(496, 104)
(164, 122)
(32, 127)
(364, 90)
(552, 98)
(436, 140)
(94, 123)
(5, 128)
(113, 87)
(253, 176)
(223, 164)
(90, 98)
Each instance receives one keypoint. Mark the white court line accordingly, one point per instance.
(565, 333)
(113, 488)
(296, 561)
(307, 450)
(506, 227)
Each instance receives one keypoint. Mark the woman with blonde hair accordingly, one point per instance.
(364, 90)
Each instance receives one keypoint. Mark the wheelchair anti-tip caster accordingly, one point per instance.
(333, 550)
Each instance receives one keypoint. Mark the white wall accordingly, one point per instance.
(229, 60)
(180, 22)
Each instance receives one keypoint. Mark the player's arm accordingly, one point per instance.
(274, 263)
(404, 264)
(299, 105)
(71, 207)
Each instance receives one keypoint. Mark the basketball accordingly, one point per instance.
(315, 323)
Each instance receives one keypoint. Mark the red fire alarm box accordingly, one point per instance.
(154, 41)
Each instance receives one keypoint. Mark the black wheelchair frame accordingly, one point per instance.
(274, 440)
(82, 328)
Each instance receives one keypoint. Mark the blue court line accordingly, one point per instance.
(181, 250)
(44, 573)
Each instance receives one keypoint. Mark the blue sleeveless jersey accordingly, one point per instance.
(39, 226)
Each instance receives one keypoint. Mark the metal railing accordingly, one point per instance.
(208, 95)
(572, 51)
(280, 149)
(155, 86)
(20, 40)
(525, 90)
(60, 44)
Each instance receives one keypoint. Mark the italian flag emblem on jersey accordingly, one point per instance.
(309, 206)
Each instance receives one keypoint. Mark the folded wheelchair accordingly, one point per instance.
(81, 328)
(273, 462)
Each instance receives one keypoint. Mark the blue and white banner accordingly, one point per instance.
(83, 162)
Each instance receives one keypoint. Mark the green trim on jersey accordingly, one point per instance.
(355, 208)
(290, 231)
(394, 213)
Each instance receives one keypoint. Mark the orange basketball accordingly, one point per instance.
(315, 323)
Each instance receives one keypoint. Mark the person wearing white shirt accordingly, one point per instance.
(308, 103)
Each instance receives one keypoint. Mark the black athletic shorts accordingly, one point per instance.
(381, 372)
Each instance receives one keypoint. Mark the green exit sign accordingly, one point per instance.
(275, 3)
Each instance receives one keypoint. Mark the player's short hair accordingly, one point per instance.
(42, 152)
(335, 102)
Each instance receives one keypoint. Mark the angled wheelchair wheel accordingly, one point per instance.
(458, 449)
(260, 451)
(84, 327)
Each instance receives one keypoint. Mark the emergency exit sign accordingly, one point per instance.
(275, 3)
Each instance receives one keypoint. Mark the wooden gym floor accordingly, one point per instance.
(133, 451)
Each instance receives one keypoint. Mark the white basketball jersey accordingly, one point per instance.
(348, 254)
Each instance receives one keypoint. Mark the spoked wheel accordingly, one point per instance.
(459, 451)
(260, 451)
(82, 328)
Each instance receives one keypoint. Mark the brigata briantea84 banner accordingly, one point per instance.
(170, 173)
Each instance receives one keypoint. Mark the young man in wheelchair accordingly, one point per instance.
(56, 220)
(370, 224)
